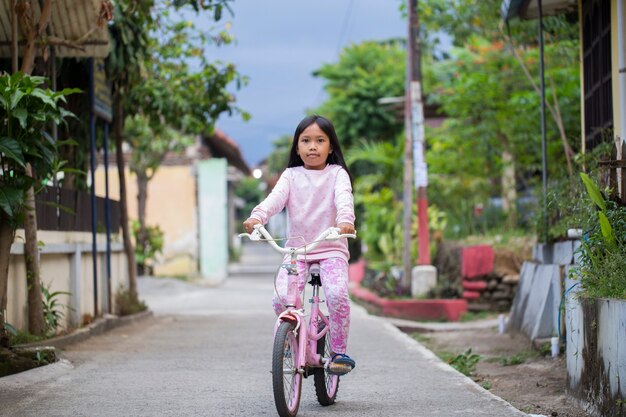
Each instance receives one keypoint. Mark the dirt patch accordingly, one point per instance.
(510, 367)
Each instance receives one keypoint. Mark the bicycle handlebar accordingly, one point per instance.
(332, 233)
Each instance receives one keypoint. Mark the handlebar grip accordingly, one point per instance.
(352, 236)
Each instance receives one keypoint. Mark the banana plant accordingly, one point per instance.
(596, 196)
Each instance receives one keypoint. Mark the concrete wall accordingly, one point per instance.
(171, 205)
(212, 219)
(596, 354)
(66, 265)
(535, 309)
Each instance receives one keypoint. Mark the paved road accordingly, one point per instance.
(207, 353)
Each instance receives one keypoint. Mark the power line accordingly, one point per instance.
(344, 26)
(342, 34)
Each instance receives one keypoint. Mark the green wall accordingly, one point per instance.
(212, 219)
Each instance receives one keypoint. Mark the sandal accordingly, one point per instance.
(340, 364)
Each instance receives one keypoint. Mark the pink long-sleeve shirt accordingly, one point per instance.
(315, 200)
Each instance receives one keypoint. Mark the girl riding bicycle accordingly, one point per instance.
(316, 189)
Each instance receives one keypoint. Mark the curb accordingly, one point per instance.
(426, 327)
(99, 326)
(414, 345)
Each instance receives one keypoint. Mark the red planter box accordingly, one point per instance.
(433, 309)
(356, 271)
(474, 285)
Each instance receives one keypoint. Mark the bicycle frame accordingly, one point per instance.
(307, 355)
(295, 353)
(295, 313)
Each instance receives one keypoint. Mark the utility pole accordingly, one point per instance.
(415, 156)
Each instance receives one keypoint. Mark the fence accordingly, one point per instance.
(70, 210)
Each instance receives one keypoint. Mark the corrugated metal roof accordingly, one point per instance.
(529, 9)
(75, 21)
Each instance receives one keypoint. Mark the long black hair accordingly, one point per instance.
(335, 157)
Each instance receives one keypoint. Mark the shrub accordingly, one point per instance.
(127, 303)
(602, 254)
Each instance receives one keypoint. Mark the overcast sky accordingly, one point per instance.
(278, 46)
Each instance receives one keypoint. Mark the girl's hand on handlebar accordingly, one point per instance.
(346, 228)
(249, 224)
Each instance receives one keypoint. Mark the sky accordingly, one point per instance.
(278, 45)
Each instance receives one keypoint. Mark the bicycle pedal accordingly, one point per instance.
(338, 369)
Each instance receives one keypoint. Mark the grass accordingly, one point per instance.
(23, 338)
(421, 338)
(464, 362)
(473, 316)
(518, 240)
(127, 303)
(515, 359)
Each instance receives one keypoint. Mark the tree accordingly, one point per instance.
(130, 32)
(27, 109)
(364, 74)
(277, 160)
(174, 103)
(378, 199)
(491, 107)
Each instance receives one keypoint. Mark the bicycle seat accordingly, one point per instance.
(314, 271)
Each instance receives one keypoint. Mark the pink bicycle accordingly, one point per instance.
(301, 348)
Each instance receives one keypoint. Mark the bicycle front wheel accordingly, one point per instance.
(286, 379)
(326, 385)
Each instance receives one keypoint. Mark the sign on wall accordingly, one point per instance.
(103, 102)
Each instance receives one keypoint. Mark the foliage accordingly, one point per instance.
(52, 309)
(364, 74)
(146, 254)
(465, 362)
(150, 146)
(170, 101)
(602, 254)
(516, 359)
(127, 303)
(278, 159)
(566, 198)
(250, 191)
(9, 328)
(472, 316)
(378, 199)
(491, 108)
(461, 19)
(27, 110)
(22, 338)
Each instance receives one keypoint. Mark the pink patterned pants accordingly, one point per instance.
(334, 276)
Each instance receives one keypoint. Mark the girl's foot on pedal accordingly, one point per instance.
(340, 364)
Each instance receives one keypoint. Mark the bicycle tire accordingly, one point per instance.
(287, 386)
(326, 385)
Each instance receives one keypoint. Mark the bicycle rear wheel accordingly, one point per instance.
(326, 385)
(286, 380)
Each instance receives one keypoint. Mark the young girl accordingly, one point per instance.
(316, 188)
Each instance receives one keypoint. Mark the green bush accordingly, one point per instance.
(127, 303)
(145, 255)
(602, 255)
(465, 362)
(52, 309)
